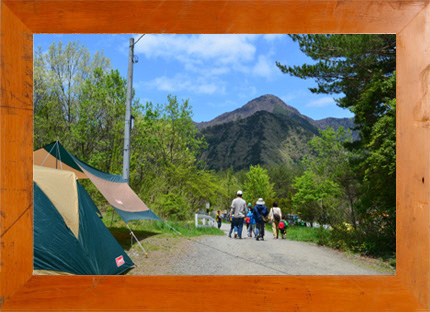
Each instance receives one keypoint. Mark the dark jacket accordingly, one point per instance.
(258, 211)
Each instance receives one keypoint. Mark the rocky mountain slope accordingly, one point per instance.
(264, 131)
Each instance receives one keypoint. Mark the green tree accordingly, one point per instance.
(331, 162)
(229, 185)
(283, 176)
(315, 196)
(163, 164)
(59, 75)
(362, 69)
(378, 204)
(349, 64)
(98, 126)
(258, 184)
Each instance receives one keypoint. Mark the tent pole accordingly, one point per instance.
(59, 156)
(131, 232)
(47, 155)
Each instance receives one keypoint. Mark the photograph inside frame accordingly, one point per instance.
(214, 154)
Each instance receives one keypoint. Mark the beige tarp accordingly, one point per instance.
(42, 158)
(119, 195)
(60, 187)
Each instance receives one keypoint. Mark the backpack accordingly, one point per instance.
(263, 213)
(247, 220)
(282, 225)
(265, 218)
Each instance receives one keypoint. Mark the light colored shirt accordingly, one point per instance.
(275, 210)
(238, 206)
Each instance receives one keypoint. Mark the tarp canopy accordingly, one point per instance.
(69, 237)
(113, 187)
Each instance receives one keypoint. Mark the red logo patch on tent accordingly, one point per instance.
(119, 202)
(119, 261)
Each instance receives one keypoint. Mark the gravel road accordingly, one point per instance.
(221, 255)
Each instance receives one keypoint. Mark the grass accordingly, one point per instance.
(300, 233)
(303, 234)
(149, 231)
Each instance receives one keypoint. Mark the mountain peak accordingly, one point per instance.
(268, 102)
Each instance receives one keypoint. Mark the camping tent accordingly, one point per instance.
(69, 237)
(113, 187)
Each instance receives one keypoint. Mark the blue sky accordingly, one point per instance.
(217, 73)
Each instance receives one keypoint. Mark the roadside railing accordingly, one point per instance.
(202, 220)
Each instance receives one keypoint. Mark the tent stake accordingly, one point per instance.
(131, 232)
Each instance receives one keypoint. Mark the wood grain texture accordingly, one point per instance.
(408, 291)
(221, 16)
(16, 126)
(413, 156)
(193, 293)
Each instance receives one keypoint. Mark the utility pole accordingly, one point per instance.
(126, 160)
(128, 122)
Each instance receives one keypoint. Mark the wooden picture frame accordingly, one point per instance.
(408, 290)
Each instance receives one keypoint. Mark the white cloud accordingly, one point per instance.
(322, 102)
(184, 83)
(264, 67)
(207, 55)
(219, 49)
(206, 58)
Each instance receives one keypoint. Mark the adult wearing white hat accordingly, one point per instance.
(238, 208)
(259, 211)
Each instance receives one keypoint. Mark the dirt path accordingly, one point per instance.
(220, 255)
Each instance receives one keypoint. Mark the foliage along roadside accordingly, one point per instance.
(79, 100)
(342, 239)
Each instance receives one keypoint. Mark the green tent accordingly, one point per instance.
(69, 237)
(113, 187)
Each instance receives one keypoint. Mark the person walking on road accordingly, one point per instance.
(238, 207)
(251, 226)
(275, 216)
(283, 224)
(218, 219)
(259, 212)
(231, 218)
(247, 218)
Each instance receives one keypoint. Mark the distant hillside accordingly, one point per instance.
(277, 134)
(263, 138)
(346, 123)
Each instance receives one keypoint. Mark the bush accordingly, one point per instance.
(323, 236)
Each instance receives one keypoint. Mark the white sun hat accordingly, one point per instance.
(260, 201)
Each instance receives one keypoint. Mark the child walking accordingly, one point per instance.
(283, 224)
(251, 227)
